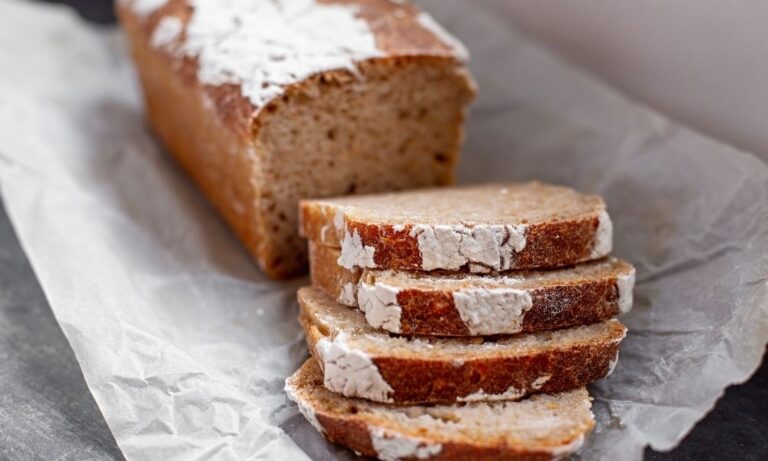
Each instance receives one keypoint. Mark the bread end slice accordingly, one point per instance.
(543, 427)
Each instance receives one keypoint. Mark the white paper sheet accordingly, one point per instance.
(185, 345)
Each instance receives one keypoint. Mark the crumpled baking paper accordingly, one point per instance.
(185, 344)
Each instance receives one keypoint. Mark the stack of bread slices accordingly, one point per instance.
(459, 323)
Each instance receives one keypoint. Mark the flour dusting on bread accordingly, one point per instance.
(266, 45)
(379, 303)
(490, 311)
(626, 284)
(350, 371)
(391, 446)
(603, 237)
(483, 247)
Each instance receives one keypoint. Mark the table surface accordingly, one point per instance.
(47, 412)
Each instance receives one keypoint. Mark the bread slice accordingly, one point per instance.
(267, 102)
(360, 361)
(543, 427)
(455, 304)
(486, 228)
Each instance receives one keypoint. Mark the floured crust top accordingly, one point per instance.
(542, 427)
(246, 53)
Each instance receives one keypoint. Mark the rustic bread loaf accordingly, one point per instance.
(543, 427)
(456, 304)
(360, 361)
(486, 228)
(267, 102)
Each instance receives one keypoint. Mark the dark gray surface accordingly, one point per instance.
(47, 412)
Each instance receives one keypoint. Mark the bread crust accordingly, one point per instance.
(434, 312)
(355, 434)
(212, 131)
(327, 275)
(432, 378)
(432, 381)
(548, 245)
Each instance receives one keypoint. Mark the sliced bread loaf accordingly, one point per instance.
(455, 304)
(266, 102)
(360, 361)
(494, 227)
(543, 427)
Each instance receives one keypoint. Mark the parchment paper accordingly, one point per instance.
(185, 345)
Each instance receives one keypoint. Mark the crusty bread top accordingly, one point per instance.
(332, 319)
(245, 53)
(554, 424)
(487, 204)
(607, 268)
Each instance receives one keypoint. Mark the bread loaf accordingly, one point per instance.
(267, 102)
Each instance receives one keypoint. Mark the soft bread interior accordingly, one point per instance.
(397, 125)
(513, 203)
(609, 268)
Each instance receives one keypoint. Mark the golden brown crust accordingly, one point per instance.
(355, 434)
(196, 137)
(433, 312)
(324, 274)
(396, 28)
(432, 381)
(548, 245)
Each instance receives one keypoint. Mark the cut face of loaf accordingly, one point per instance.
(360, 361)
(267, 102)
(543, 427)
(487, 228)
(456, 304)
